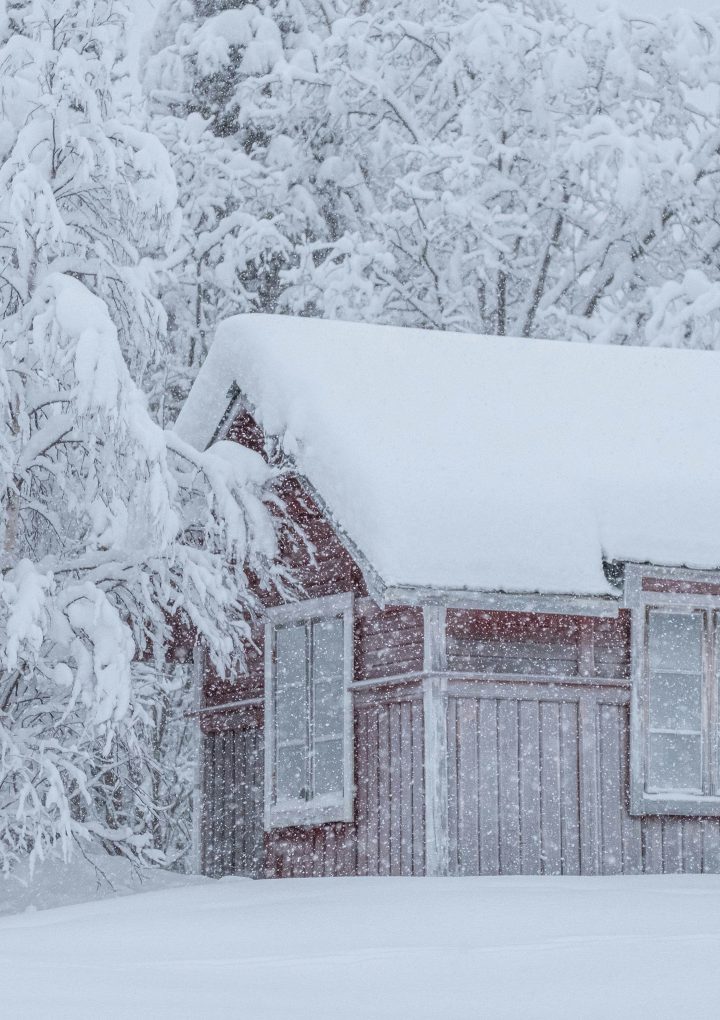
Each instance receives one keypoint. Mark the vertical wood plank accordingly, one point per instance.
(373, 754)
(711, 846)
(530, 786)
(362, 779)
(631, 825)
(348, 853)
(231, 794)
(509, 787)
(228, 814)
(258, 802)
(396, 790)
(247, 817)
(453, 752)
(488, 787)
(652, 846)
(329, 856)
(383, 760)
(550, 788)
(589, 789)
(207, 810)
(692, 844)
(672, 845)
(569, 783)
(217, 818)
(240, 781)
(406, 791)
(466, 756)
(418, 789)
(610, 794)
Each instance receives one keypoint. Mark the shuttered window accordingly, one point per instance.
(308, 716)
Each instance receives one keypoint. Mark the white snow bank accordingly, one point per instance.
(370, 949)
(54, 883)
(492, 463)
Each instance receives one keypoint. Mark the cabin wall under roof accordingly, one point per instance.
(537, 776)
(535, 712)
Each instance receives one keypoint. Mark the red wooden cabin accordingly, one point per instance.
(504, 656)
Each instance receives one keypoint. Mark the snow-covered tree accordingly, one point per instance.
(114, 535)
(238, 96)
(531, 174)
(497, 166)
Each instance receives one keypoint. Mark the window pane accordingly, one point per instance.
(291, 713)
(329, 709)
(291, 773)
(674, 763)
(329, 693)
(675, 642)
(328, 768)
(328, 649)
(290, 655)
(675, 702)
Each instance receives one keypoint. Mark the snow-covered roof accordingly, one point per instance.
(456, 461)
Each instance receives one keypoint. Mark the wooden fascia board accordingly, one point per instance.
(634, 596)
(507, 602)
(373, 581)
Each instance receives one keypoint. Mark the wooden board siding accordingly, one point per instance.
(310, 548)
(388, 642)
(231, 825)
(321, 851)
(320, 566)
(537, 644)
(389, 804)
(538, 784)
(241, 683)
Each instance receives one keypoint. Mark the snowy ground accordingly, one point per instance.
(373, 948)
(55, 884)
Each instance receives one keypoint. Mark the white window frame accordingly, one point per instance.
(641, 603)
(308, 813)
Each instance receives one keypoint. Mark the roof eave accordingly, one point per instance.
(507, 602)
(418, 595)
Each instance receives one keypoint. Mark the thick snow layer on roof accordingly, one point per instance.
(461, 461)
